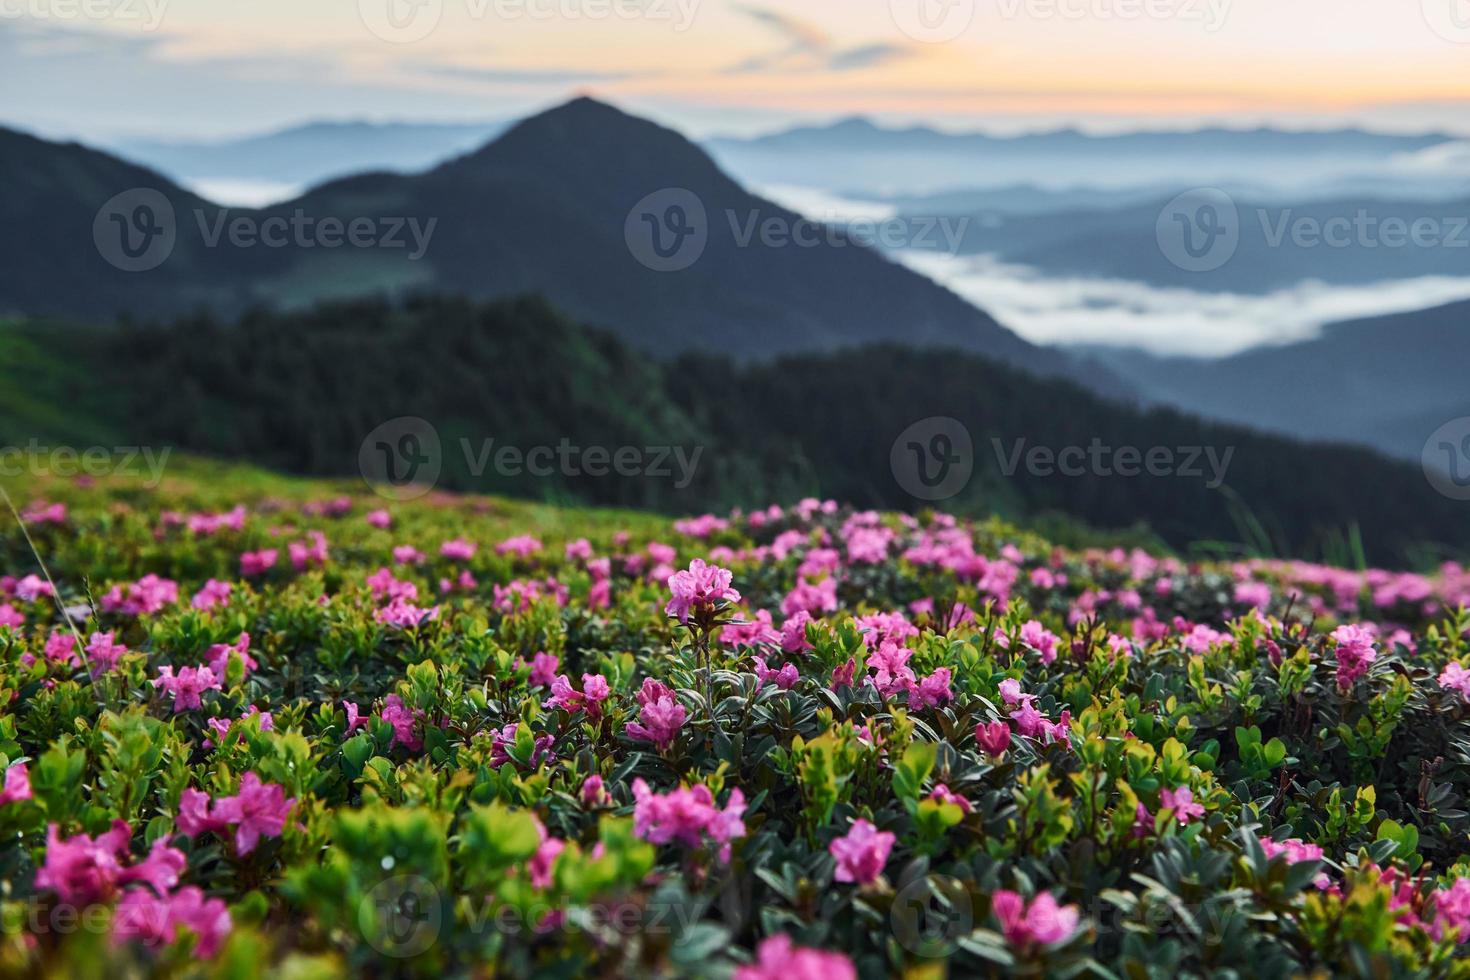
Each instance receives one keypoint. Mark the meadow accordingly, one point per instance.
(257, 726)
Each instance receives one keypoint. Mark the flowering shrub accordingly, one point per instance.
(319, 736)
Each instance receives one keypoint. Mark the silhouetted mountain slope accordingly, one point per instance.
(553, 207)
(56, 256)
(1386, 381)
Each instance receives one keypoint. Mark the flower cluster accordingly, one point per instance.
(791, 727)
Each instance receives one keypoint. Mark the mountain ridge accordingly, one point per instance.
(544, 208)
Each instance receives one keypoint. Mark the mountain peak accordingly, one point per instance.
(586, 139)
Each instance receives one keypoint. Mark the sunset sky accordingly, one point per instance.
(109, 68)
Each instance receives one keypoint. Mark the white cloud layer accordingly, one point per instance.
(1053, 310)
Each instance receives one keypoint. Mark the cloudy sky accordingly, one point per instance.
(111, 68)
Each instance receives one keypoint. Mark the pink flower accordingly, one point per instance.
(254, 563)
(9, 617)
(594, 691)
(380, 519)
(313, 551)
(61, 648)
(141, 598)
(594, 793)
(861, 854)
(464, 582)
(688, 815)
(405, 615)
(933, 690)
(103, 653)
(1181, 802)
(701, 527)
(1037, 637)
(205, 525)
(758, 632)
(83, 870)
(41, 512)
(699, 589)
(891, 671)
(793, 632)
(219, 655)
(522, 546)
(354, 716)
(257, 810)
(222, 726)
(1143, 821)
(1257, 595)
(661, 715)
(880, 629)
(994, 738)
(458, 549)
(1010, 691)
(844, 675)
(579, 550)
(943, 794)
(154, 920)
(214, 594)
(1452, 911)
(785, 678)
(1044, 923)
(32, 587)
(403, 721)
(382, 584)
(502, 740)
(194, 817)
(17, 784)
(1029, 721)
(407, 554)
(779, 959)
(1295, 849)
(1455, 677)
(543, 669)
(1355, 652)
(541, 862)
(813, 599)
(187, 686)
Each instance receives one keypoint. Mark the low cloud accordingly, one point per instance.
(1069, 310)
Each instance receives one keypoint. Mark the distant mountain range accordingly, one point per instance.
(856, 155)
(1386, 382)
(312, 152)
(1278, 243)
(860, 157)
(565, 204)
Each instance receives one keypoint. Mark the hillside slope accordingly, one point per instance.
(1386, 381)
(302, 393)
